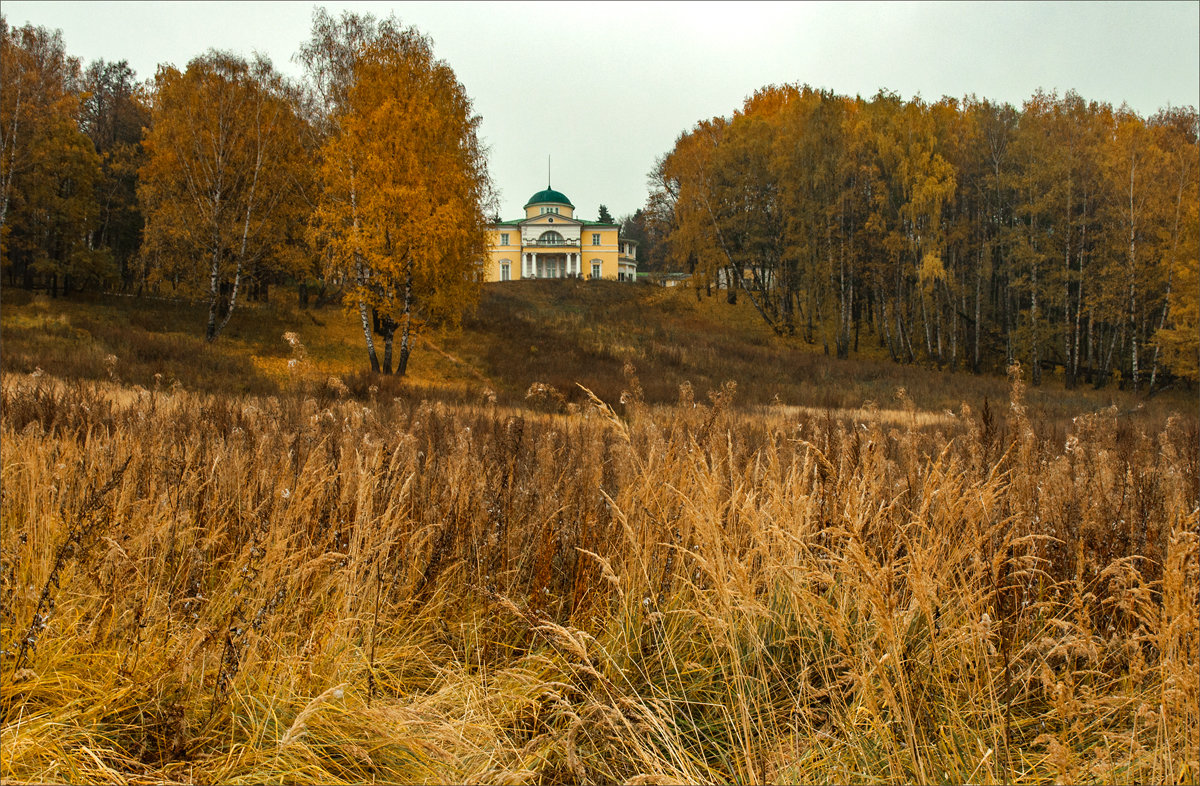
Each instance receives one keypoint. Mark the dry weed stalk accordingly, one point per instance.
(682, 594)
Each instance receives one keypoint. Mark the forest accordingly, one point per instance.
(965, 232)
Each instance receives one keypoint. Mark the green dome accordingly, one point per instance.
(549, 195)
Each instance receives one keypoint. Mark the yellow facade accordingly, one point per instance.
(551, 242)
(549, 208)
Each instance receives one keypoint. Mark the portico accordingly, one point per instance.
(540, 264)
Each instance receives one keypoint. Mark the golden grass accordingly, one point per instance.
(555, 332)
(909, 418)
(209, 588)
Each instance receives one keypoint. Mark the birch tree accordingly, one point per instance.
(404, 181)
(216, 188)
(1178, 330)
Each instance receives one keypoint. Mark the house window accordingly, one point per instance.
(546, 210)
(504, 238)
(550, 238)
(505, 270)
(595, 238)
(595, 268)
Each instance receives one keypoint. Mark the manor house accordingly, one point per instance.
(551, 243)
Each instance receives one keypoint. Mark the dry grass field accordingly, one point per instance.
(561, 333)
(311, 587)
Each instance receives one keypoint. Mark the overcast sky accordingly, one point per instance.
(605, 88)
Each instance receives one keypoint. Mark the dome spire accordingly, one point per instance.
(547, 171)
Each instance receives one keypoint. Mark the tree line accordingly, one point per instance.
(365, 182)
(966, 233)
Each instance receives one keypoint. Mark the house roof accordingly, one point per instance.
(516, 222)
(549, 195)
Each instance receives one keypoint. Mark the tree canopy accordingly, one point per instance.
(48, 167)
(404, 183)
(957, 232)
(219, 181)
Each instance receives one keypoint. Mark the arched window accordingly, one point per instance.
(550, 238)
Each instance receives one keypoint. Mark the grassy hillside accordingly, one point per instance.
(559, 333)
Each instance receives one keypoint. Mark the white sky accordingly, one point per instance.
(605, 88)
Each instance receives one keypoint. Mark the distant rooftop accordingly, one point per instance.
(551, 196)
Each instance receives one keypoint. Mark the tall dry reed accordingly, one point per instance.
(212, 589)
